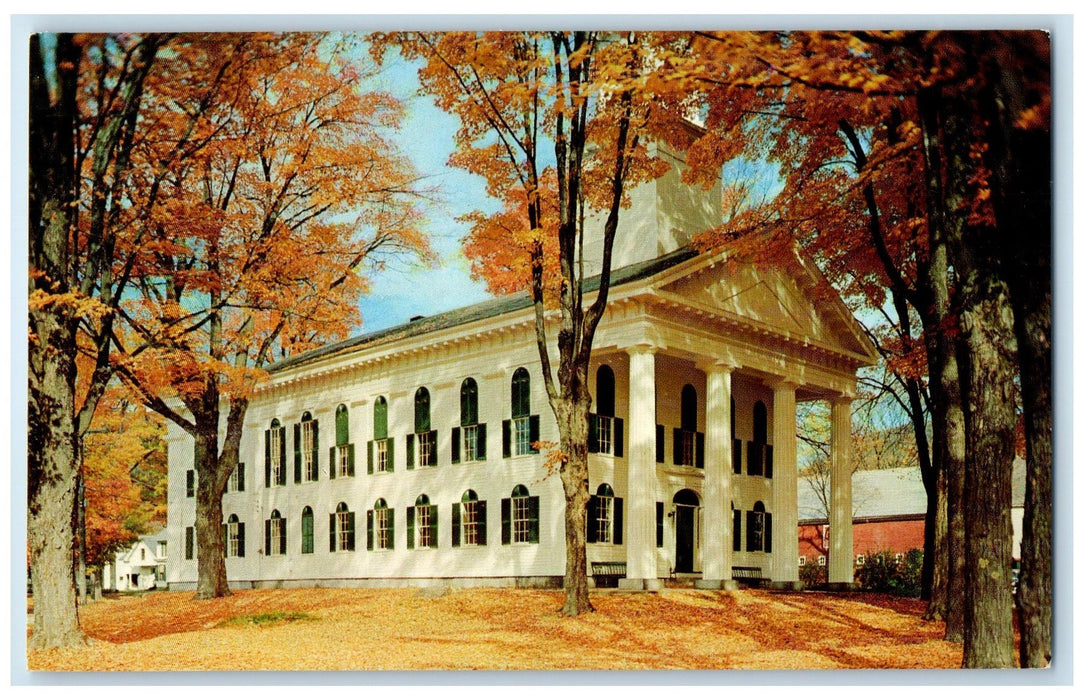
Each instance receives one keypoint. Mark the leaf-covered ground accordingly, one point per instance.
(406, 629)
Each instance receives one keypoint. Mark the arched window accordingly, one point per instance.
(341, 529)
(426, 438)
(235, 536)
(342, 453)
(274, 535)
(306, 446)
(469, 439)
(306, 531)
(604, 516)
(758, 526)
(688, 442)
(519, 517)
(380, 453)
(605, 432)
(469, 520)
(380, 527)
(275, 454)
(759, 451)
(342, 425)
(422, 524)
(521, 433)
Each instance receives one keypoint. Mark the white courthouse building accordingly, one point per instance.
(405, 457)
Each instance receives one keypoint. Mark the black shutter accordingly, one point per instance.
(350, 522)
(331, 533)
(700, 450)
(190, 483)
(481, 522)
(532, 519)
(535, 432)
(659, 507)
(267, 459)
(282, 538)
(737, 531)
(619, 519)
(282, 455)
(391, 528)
(455, 445)
(735, 455)
(506, 520)
(619, 437)
(350, 459)
(677, 447)
(189, 542)
(410, 527)
(768, 532)
(240, 539)
(315, 450)
(755, 466)
(369, 449)
(592, 435)
(240, 476)
(391, 455)
(592, 520)
(297, 453)
(660, 444)
(267, 538)
(506, 438)
(410, 451)
(433, 520)
(369, 530)
(455, 524)
(332, 465)
(434, 455)
(768, 461)
(481, 442)
(750, 528)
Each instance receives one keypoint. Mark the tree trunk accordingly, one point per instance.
(210, 546)
(572, 422)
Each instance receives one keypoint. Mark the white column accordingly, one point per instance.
(640, 516)
(716, 539)
(840, 533)
(784, 486)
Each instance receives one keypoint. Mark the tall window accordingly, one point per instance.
(380, 526)
(275, 454)
(604, 516)
(274, 535)
(306, 530)
(381, 454)
(469, 439)
(469, 520)
(306, 445)
(519, 517)
(342, 454)
(237, 478)
(422, 524)
(425, 437)
(758, 529)
(342, 529)
(688, 442)
(521, 433)
(235, 537)
(606, 432)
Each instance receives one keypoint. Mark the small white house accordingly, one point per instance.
(140, 567)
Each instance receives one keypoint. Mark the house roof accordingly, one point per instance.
(886, 493)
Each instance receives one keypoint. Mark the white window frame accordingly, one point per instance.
(470, 443)
(688, 448)
(234, 531)
(381, 539)
(822, 560)
(604, 517)
(342, 531)
(278, 468)
(278, 536)
(380, 455)
(427, 449)
(801, 560)
(470, 521)
(521, 520)
(860, 559)
(308, 451)
(605, 434)
(521, 436)
(342, 459)
(422, 533)
(231, 485)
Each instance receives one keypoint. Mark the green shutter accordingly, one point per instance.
(619, 437)
(410, 451)
(535, 433)
(410, 527)
(619, 519)
(241, 539)
(481, 442)
(700, 450)
(189, 542)
(282, 537)
(369, 449)
(331, 463)
(768, 533)
(677, 447)
(267, 458)
(456, 524)
(532, 519)
(267, 538)
(750, 527)
(350, 523)
(297, 453)
(436, 451)
(592, 520)
(240, 476)
(316, 450)
(455, 445)
(433, 520)
(737, 530)
(506, 438)
(506, 520)
(391, 528)
(331, 533)
(342, 426)
(768, 461)
(660, 444)
(592, 436)
(350, 459)
(369, 530)
(282, 455)
(481, 522)
(391, 454)
(659, 508)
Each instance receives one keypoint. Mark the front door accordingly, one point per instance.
(686, 506)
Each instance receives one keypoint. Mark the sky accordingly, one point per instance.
(404, 290)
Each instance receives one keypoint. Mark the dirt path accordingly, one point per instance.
(405, 629)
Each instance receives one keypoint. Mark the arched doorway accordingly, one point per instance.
(686, 520)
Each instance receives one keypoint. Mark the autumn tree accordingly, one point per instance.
(291, 192)
(557, 123)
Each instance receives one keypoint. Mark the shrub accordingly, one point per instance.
(881, 573)
(813, 576)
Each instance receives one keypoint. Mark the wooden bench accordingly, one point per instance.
(748, 574)
(606, 573)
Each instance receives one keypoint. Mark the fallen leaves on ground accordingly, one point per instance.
(407, 629)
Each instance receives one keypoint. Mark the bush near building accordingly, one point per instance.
(890, 572)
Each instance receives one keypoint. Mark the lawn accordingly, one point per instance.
(408, 629)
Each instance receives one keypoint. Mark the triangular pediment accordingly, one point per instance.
(777, 297)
